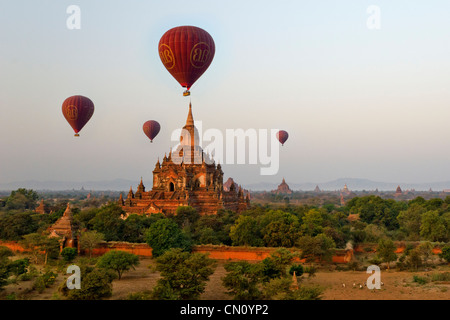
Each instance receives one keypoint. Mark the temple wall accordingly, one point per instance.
(221, 252)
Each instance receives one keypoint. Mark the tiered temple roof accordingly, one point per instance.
(64, 230)
(186, 177)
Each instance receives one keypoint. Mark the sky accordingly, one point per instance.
(357, 102)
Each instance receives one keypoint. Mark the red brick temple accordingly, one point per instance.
(283, 188)
(63, 230)
(186, 177)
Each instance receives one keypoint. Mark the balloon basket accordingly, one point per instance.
(186, 93)
(76, 135)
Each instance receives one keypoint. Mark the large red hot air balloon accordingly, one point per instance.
(77, 110)
(186, 52)
(282, 136)
(151, 129)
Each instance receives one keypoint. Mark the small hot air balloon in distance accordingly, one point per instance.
(282, 136)
(77, 110)
(186, 52)
(151, 129)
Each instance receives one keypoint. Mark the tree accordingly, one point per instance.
(89, 240)
(13, 226)
(246, 232)
(281, 289)
(18, 267)
(242, 280)
(433, 226)
(5, 269)
(320, 247)
(186, 216)
(414, 259)
(118, 261)
(40, 244)
(69, 254)
(374, 233)
(375, 210)
(165, 234)
(4, 272)
(280, 229)
(183, 275)
(425, 250)
(135, 226)
(276, 265)
(22, 199)
(386, 251)
(5, 252)
(410, 220)
(109, 222)
(445, 253)
(312, 222)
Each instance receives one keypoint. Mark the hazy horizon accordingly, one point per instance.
(369, 104)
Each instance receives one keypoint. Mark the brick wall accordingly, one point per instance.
(219, 252)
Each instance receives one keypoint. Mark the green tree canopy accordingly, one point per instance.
(280, 229)
(246, 232)
(320, 247)
(243, 280)
(108, 221)
(386, 251)
(183, 275)
(22, 199)
(118, 261)
(410, 220)
(89, 240)
(433, 226)
(165, 234)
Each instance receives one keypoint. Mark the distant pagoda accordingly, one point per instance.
(346, 191)
(317, 189)
(186, 177)
(398, 191)
(42, 208)
(283, 188)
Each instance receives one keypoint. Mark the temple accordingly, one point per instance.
(283, 188)
(345, 190)
(63, 230)
(186, 177)
(398, 192)
(42, 208)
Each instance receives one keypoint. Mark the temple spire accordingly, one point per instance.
(190, 118)
(67, 212)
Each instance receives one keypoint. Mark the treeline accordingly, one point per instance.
(286, 225)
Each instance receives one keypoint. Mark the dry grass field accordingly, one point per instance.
(397, 285)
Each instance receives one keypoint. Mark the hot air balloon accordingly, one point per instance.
(282, 136)
(77, 110)
(151, 129)
(186, 52)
